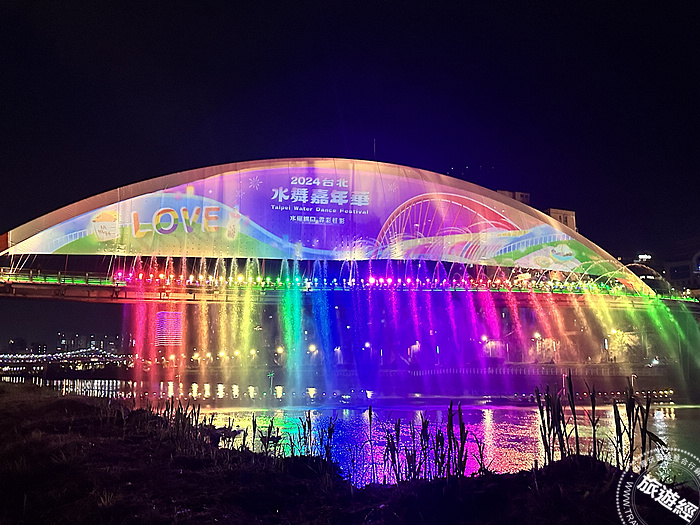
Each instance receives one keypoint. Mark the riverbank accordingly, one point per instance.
(83, 460)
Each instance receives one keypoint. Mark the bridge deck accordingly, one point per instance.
(102, 288)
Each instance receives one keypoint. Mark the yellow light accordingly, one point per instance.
(280, 349)
(222, 354)
(172, 357)
(252, 351)
(208, 354)
(236, 353)
(312, 348)
(240, 278)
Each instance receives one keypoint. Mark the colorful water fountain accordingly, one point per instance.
(299, 280)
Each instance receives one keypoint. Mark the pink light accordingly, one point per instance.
(119, 274)
(390, 280)
(381, 280)
(408, 280)
(372, 280)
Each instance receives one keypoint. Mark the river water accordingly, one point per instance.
(510, 434)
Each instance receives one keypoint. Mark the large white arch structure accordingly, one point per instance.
(314, 208)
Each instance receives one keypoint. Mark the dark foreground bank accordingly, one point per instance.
(81, 460)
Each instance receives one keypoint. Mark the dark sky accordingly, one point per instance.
(592, 108)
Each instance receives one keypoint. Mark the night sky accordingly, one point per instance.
(592, 108)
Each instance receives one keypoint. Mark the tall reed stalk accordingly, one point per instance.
(593, 420)
(572, 407)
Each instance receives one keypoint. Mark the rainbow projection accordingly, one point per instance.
(316, 277)
(313, 209)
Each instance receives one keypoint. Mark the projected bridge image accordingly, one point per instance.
(299, 281)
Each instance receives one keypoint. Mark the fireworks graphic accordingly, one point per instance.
(254, 182)
(392, 187)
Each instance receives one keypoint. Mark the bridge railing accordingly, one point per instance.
(165, 284)
(38, 276)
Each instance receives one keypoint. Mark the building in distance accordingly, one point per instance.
(683, 266)
(517, 195)
(566, 217)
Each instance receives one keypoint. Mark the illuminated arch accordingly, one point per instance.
(314, 208)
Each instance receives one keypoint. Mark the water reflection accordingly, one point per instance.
(510, 434)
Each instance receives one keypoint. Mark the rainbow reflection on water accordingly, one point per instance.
(510, 434)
